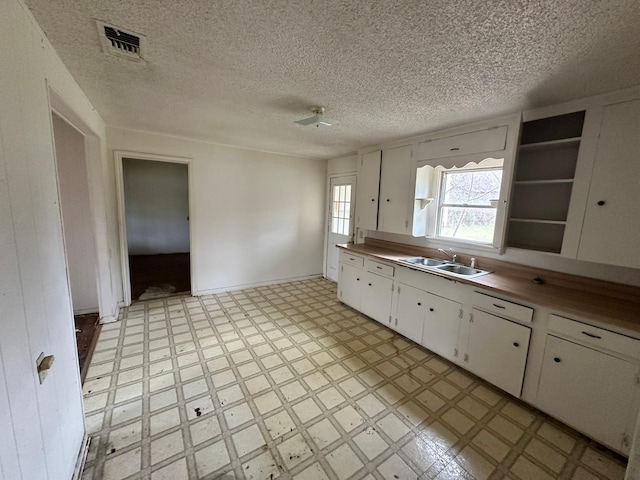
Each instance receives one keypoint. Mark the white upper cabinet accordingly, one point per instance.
(367, 191)
(395, 192)
(611, 227)
(488, 140)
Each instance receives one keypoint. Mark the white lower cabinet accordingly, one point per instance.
(377, 293)
(409, 317)
(350, 285)
(497, 351)
(441, 326)
(590, 390)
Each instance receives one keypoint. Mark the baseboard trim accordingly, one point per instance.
(82, 457)
(232, 288)
(85, 311)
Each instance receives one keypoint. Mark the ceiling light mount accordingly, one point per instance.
(318, 119)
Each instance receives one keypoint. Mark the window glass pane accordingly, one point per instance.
(336, 193)
(341, 210)
(471, 188)
(342, 191)
(468, 223)
(345, 228)
(347, 193)
(334, 225)
(340, 226)
(347, 210)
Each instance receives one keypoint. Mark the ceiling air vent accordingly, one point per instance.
(116, 41)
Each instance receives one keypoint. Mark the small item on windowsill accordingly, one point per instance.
(537, 280)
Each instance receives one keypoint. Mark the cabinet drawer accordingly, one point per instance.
(490, 140)
(502, 308)
(595, 336)
(351, 259)
(380, 268)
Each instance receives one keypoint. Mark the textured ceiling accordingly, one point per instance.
(240, 72)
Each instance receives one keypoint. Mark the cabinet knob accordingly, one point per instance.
(369, 284)
(419, 304)
(516, 344)
(373, 199)
(431, 309)
(357, 279)
(388, 200)
(601, 202)
(556, 359)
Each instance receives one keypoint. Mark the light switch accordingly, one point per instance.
(43, 365)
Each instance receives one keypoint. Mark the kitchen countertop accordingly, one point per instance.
(607, 303)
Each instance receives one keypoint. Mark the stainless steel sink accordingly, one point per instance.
(461, 270)
(455, 269)
(425, 262)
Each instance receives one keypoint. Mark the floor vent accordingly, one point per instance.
(119, 42)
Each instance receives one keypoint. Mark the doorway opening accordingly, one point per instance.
(342, 194)
(155, 226)
(78, 233)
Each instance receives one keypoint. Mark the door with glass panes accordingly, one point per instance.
(341, 208)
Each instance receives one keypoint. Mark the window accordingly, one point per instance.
(341, 210)
(467, 204)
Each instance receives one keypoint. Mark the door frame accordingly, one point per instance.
(328, 214)
(119, 156)
(107, 302)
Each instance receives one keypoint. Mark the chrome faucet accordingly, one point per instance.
(449, 254)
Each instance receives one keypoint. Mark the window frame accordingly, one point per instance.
(440, 203)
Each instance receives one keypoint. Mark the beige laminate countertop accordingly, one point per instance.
(607, 303)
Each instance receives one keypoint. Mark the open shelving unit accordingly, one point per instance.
(545, 167)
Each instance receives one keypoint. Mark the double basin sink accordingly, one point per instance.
(455, 269)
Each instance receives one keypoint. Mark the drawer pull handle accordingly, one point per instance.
(601, 202)
(592, 335)
(499, 306)
(454, 149)
(419, 304)
(379, 267)
(431, 309)
(556, 359)
(516, 344)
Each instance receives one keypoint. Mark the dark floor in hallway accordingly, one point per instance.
(87, 331)
(159, 275)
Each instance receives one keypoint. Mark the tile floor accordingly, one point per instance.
(285, 382)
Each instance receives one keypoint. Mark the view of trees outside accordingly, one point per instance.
(466, 212)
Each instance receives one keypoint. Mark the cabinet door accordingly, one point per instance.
(349, 285)
(394, 190)
(590, 390)
(376, 297)
(409, 318)
(367, 191)
(441, 326)
(612, 219)
(497, 351)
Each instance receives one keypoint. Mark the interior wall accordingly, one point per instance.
(76, 215)
(42, 424)
(256, 217)
(342, 165)
(156, 198)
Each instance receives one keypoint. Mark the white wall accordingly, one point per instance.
(76, 215)
(41, 426)
(156, 196)
(342, 165)
(256, 217)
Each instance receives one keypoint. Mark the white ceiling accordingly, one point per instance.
(240, 72)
